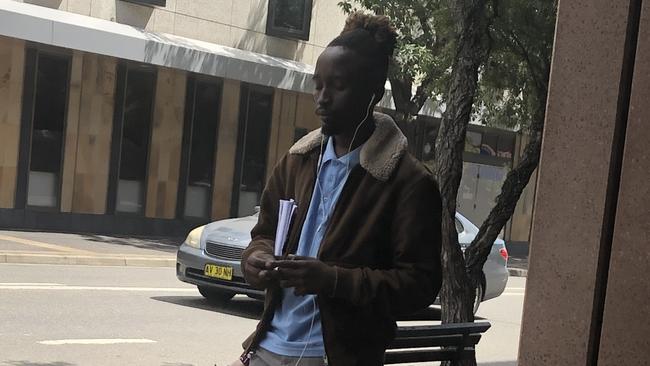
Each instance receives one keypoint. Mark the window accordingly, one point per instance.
(489, 144)
(131, 134)
(256, 107)
(506, 146)
(289, 19)
(202, 106)
(47, 79)
(473, 142)
(148, 2)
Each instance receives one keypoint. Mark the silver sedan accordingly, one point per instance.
(210, 259)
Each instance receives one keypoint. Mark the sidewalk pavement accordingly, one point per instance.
(87, 249)
(100, 250)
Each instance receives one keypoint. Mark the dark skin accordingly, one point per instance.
(342, 98)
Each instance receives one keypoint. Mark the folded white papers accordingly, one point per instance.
(286, 211)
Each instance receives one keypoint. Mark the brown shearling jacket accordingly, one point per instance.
(383, 238)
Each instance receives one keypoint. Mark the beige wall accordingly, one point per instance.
(12, 61)
(166, 144)
(94, 136)
(233, 23)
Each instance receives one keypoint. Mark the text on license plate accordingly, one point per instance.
(221, 272)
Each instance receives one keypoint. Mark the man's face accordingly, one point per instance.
(341, 95)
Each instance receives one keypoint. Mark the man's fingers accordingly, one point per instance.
(299, 258)
(290, 273)
(269, 274)
(295, 264)
(260, 262)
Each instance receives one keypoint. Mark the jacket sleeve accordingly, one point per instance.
(263, 233)
(415, 278)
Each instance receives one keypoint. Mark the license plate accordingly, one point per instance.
(220, 272)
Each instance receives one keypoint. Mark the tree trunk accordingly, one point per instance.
(506, 202)
(457, 290)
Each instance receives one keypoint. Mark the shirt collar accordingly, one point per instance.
(352, 157)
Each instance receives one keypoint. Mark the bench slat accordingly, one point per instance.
(394, 357)
(435, 341)
(442, 329)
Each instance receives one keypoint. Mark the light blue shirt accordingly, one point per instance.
(290, 328)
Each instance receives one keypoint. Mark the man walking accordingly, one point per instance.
(364, 246)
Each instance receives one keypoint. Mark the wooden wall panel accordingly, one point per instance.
(291, 110)
(305, 116)
(12, 61)
(287, 123)
(71, 133)
(226, 150)
(94, 138)
(166, 144)
(274, 134)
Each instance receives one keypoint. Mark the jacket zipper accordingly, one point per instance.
(337, 208)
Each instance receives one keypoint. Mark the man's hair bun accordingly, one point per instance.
(373, 38)
(379, 28)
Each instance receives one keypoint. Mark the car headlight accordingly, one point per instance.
(194, 238)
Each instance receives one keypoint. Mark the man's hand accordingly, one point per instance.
(259, 269)
(306, 275)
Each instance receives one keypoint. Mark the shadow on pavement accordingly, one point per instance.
(32, 363)
(242, 307)
(169, 245)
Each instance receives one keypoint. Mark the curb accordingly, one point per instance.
(518, 272)
(119, 261)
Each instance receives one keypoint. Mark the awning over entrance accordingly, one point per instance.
(79, 32)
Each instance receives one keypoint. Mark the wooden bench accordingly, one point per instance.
(425, 343)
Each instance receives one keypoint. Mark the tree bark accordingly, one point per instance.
(457, 291)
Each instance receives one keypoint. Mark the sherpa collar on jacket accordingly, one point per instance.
(379, 155)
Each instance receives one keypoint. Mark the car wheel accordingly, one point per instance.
(215, 296)
(478, 297)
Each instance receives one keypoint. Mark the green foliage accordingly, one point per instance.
(514, 76)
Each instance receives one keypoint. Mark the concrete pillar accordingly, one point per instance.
(576, 225)
(625, 334)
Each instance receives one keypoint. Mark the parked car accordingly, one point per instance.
(210, 259)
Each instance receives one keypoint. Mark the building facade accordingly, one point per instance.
(153, 116)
